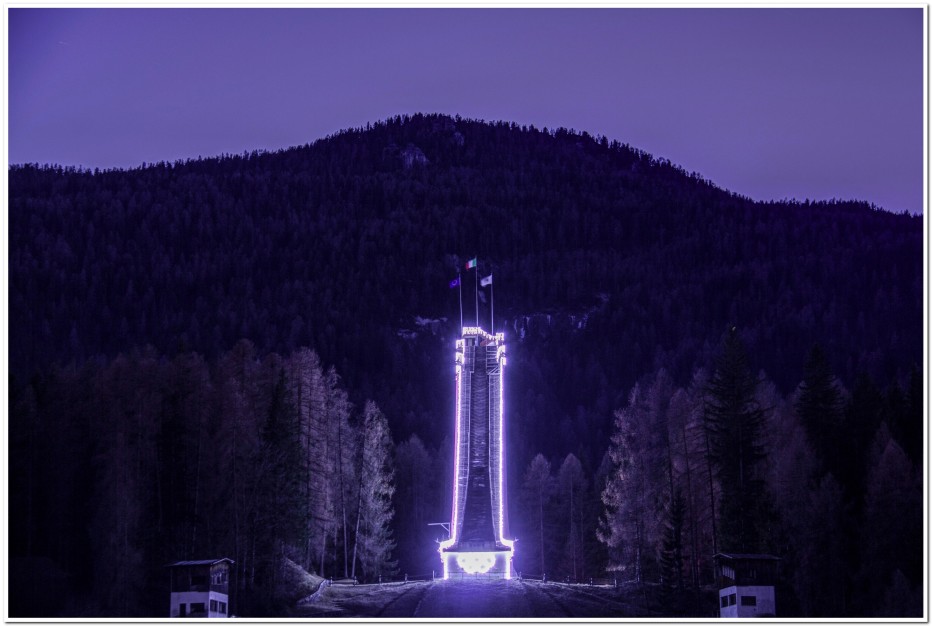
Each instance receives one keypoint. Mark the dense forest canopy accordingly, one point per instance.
(610, 267)
(341, 243)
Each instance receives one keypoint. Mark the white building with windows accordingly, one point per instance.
(746, 584)
(200, 588)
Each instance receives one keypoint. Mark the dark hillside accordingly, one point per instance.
(619, 261)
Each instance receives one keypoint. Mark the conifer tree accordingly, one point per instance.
(374, 543)
(629, 490)
(536, 495)
(572, 481)
(671, 555)
(280, 514)
(308, 391)
(891, 528)
(902, 412)
(734, 423)
(641, 485)
(415, 499)
(863, 414)
(342, 448)
(912, 426)
(819, 407)
(237, 443)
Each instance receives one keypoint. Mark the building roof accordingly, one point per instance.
(747, 557)
(202, 562)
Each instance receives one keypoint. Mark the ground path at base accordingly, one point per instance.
(480, 598)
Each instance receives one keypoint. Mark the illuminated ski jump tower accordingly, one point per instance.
(477, 543)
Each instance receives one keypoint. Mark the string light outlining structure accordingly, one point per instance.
(465, 559)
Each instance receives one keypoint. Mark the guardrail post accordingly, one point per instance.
(355, 582)
(615, 582)
(406, 577)
(380, 579)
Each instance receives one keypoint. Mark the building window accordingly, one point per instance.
(223, 608)
(213, 606)
(724, 600)
(748, 600)
(197, 608)
(732, 599)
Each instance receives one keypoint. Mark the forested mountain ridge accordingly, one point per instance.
(340, 243)
(617, 276)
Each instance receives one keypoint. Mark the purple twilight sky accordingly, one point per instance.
(767, 102)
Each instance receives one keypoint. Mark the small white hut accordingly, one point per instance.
(746, 584)
(200, 588)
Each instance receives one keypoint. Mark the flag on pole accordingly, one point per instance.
(485, 282)
(455, 282)
(471, 263)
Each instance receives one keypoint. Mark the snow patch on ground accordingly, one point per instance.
(422, 324)
(296, 582)
(426, 321)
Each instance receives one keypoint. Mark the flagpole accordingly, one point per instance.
(477, 294)
(459, 282)
(492, 298)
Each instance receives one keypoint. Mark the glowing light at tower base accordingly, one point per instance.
(465, 565)
(475, 562)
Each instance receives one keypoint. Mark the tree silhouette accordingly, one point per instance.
(374, 542)
(735, 426)
(820, 408)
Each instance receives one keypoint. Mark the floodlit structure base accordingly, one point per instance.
(476, 565)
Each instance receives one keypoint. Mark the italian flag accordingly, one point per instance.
(471, 263)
